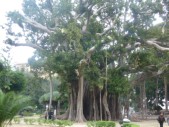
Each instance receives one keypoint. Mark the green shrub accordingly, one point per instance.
(101, 124)
(10, 105)
(40, 121)
(26, 113)
(31, 121)
(130, 125)
(63, 123)
(26, 121)
(16, 120)
(49, 121)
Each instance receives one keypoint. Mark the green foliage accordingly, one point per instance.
(130, 125)
(159, 32)
(27, 113)
(5, 80)
(29, 121)
(63, 123)
(117, 82)
(95, 27)
(64, 7)
(18, 81)
(65, 65)
(73, 33)
(30, 5)
(12, 81)
(142, 58)
(60, 123)
(10, 105)
(45, 98)
(151, 90)
(26, 121)
(101, 124)
(35, 87)
(16, 120)
(16, 18)
(93, 75)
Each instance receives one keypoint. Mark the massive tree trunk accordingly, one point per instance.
(156, 102)
(143, 101)
(72, 101)
(51, 91)
(79, 112)
(166, 98)
(117, 107)
(71, 114)
(58, 108)
(100, 101)
(105, 104)
(94, 105)
(113, 105)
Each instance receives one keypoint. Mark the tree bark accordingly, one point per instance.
(144, 101)
(79, 112)
(58, 108)
(70, 116)
(166, 99)
(117, 107)
(100, 96)
(156, 102)
(113, 105)
(51, 91)
(141, 101)
(106, 106)
(94, 105)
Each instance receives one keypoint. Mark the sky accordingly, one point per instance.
(17, 54)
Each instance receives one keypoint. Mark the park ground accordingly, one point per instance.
(147, 123)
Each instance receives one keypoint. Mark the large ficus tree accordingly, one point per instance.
(75, 29)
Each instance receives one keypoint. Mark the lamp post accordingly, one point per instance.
(47, 106)
(46, 112)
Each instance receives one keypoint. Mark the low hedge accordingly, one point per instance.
(63, 123)
(59, 123)
(101, 124)
(130, 125)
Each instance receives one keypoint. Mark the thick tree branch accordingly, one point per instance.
(97, 11)
(105, 31)
(132, 47)
(154, 43)
(28, 44)
(88, 56)
(37, 25)
(85, 60)
(108, 29)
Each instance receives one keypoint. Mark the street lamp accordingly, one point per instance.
(47, 107)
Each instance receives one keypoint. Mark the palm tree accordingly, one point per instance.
(10, 105)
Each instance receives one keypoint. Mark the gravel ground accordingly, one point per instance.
(149, 123)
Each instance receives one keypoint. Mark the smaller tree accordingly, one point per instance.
(10, 105)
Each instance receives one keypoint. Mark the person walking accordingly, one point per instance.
(161, 119)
